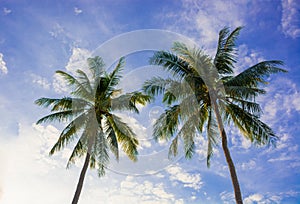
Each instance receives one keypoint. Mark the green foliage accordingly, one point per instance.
(199, 82)
(91, 121)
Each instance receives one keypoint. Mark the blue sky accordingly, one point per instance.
(39, 37)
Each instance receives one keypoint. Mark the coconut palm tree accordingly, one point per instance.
(90, 112)
(205, 92)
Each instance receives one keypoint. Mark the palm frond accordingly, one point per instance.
(173, 149)
(112, 140)
(67, 135)
(115, 76)
(212, 136)
(84, 80)
(167, 124)
(243, 92)
(252, 128)
(256, 74)
(60, 116)
(129, 101)
(226, 51)
(170, 62)
(188, 132)
(78, 151)
(248, 106)
(96, 65)
(79, 89)
(125, 136)
(199, 63)
(65, 103)
(158, 85)
(101, 150)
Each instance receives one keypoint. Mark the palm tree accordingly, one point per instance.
(205, 92)
(90, 111)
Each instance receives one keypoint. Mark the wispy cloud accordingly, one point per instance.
(77, 60)
(283, 101)
(6, 11)
(290, 20)
(77, 11)
(203, 19)
(3, 67)
(191, 180)
(40, 81)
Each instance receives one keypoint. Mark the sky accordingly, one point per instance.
(39, 37)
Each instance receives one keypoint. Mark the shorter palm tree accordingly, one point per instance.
(205, 92)
(90, 111)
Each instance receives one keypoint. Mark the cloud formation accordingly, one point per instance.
(290, 20)
(3, 67)
(6, 11)
(177, 174)
(77, 11)
(40, 81)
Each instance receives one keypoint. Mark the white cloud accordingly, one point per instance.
(204, 19)
(290, 19)
(189, 180)
(145, 192)
(247, 58)
(6, 11)
(28, 170)
(40, 81)
(253, 198)
(3, 68)
(282, 101)
(227, 197)
(77, 11)
(248, 165)
(78, 60)
(263, 199)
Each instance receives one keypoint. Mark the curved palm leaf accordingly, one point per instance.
(125, 136)
(79, 89)
(255, 75)
(220, 97)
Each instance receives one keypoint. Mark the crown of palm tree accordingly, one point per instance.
(90, 112)
(199, 79)
(205, 91)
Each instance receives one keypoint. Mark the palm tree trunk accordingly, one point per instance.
(81, 179)
(234, 178)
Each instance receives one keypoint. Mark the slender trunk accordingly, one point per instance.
(234, 178)
(81, 179)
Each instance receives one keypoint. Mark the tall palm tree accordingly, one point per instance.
(90, 111)
(205, 92)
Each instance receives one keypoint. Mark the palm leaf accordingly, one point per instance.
(252, 128)
(212, 136)
(79, 89)
(125, 136)
(256, 74)
(78, 151)
(112, 140)
(167, 124)
(226, 52)
(85, 81)
(129, 101)
(60, 116)
(67, 134)
(170, 62)
(96, 65)
(101, 150)
(243, 92)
